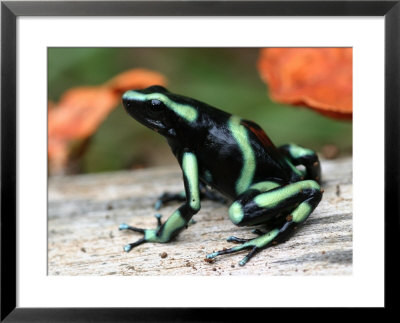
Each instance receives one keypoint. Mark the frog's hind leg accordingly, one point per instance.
(296, 200)
(255, 245)
(297, 155)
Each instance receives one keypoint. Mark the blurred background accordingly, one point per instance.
(236, 80)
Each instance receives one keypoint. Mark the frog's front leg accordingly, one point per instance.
(180, 218)
(263, 203)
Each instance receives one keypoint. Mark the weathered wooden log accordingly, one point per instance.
(84, 213)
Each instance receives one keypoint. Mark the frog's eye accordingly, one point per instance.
(153, 107)
(155, 102)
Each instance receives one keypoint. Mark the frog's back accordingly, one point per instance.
(271, 164)
(236, 153)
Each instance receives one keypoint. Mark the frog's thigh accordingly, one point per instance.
(255, 207)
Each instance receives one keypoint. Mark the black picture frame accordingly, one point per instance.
(11, 10)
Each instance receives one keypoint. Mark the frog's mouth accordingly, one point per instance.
(154, 125)
(133, 108)
(136, 110)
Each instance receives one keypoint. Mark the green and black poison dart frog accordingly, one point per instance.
(236, 158)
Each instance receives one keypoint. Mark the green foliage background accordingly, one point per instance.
(226, 78)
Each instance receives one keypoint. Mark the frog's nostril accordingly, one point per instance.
(126, 103)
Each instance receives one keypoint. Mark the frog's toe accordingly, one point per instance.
(158, 217)
(258, 232)
(149, 235)
(240, 240)
(213, 196)
(168, 197)
(212, 255)
(255, 245)
(124, 226)
(129, 247)
(230, 250)
(158, 204)
(248, 256)
(236, 239)
(254, 250)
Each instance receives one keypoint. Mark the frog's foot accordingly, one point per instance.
(254, 249)
(168, 197)
(205, 193)
(236, 239)
(258, 232)
(146, 232)
(255, 245)
(208, 194)
(241, 240)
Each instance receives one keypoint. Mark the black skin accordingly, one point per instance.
(210, 141)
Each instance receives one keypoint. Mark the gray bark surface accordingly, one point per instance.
(84, 213)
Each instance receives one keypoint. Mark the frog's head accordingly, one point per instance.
(158, 109)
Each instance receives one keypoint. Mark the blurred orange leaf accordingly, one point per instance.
(319, 78)
(135, 79)
(81, 110)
